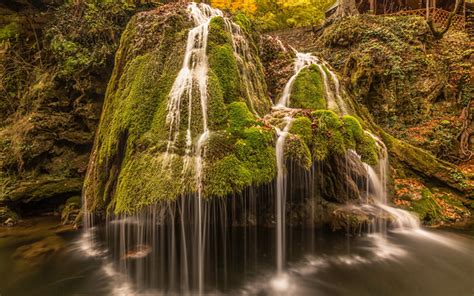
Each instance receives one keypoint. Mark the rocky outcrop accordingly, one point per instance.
(414, 86)
(54, 69)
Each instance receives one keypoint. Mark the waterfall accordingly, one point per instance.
(170, 244)
(378, 181)
(334, 99)
(193, 71)
(247, 65)
(302, 61)
(281, 192)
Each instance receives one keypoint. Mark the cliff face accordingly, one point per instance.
(54, 69)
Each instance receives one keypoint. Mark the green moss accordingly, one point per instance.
(218, 33)
(222, 60)
(256, 152)
(220, 144)
(326, 120)
(216, 109)
(243, 21)
(353, 132)
(9, 31)
(145, 180)
(301, 126)
(240, 117)
(426, 208)
(234, 166)
(227, 175)
(368, 150)
(298, 151)
(223, 64)
(328, 136)
(424, 163)
(308, 90)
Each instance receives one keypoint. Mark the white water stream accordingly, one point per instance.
(302, 61)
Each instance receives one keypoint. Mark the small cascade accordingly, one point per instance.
(281, 193)
(246, 62)
(332, 88)
(337, 87)
(378, 180)
(302, 61)
(193, 72)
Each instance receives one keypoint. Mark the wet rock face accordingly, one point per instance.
(48, 118)
(278, 63)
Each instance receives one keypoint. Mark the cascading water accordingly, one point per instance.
(334, 99)
(281, 192)
(193, 71)
(302, 61)
(247, 65)
(378, 181)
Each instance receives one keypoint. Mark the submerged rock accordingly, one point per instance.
(39, 250)
(140, 251)
(70, 210)
(7, 216)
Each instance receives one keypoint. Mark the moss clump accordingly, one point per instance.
(222, 61)
(136, 162)
(298, 151)
(240, 117)
(223, 65)
(9, 31)
(368, 150)
(218, 33)
(256, 150)
(227, 175)
(308, 90)
(328, 136)
(240, 159)
(216, 109)
(146, 179)
(353, 132)
(301, 126)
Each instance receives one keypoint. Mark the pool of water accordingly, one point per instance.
(42, 259)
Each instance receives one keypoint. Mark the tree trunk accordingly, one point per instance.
(439, 34)
(346, 8)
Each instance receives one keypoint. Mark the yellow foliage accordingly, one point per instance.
(249, 6)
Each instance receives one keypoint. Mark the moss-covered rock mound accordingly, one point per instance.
(134, 162)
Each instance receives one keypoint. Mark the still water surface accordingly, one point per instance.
(42, 260)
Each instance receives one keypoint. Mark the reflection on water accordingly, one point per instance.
(420, 262)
